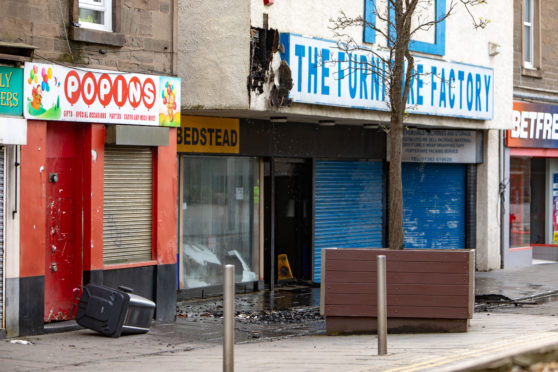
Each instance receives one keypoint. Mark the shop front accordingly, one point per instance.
(533, 178)
(13, 133)
(97, 189)
(266, 194)
(439, 187)
(219, 206)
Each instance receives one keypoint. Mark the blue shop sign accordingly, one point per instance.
(323, 74)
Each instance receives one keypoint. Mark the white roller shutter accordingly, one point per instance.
(128, 205)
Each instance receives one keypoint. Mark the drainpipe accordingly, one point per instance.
(174, 11)
(502, 197)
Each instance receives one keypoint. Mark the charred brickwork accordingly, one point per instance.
(263, 44)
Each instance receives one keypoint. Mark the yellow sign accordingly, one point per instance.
(555, 237)
(283, 268)
(203, 134)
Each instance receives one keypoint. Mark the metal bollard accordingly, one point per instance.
(382, 305)
(228, 319)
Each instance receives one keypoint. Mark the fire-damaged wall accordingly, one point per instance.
(265, 78)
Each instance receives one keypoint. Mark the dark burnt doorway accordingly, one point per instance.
(290, 230)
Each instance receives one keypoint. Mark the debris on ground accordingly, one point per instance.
(538, 367)
(21, 342)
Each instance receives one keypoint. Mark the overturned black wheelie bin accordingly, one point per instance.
(113, 312)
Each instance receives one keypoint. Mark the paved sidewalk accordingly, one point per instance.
(491, 336)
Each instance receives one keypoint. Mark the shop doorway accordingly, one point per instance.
(63, 263)
(292, 221)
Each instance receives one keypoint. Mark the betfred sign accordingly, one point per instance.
(55, 92)
(535, 125)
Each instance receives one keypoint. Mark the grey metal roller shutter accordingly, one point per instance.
(348, 207)
(2, 209)
(128, 205)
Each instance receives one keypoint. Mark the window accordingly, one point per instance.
(531, 36)
(97, 21)
(370, 18)
(520, 202)
(219, 219)
(96, 14)
(431, 42)
(435, 46)
(528, 33)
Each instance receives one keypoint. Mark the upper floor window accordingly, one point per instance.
(528, 21)
(96, 14)
(430, 40)
(531, 37)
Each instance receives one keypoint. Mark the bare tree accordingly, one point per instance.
(398, 25)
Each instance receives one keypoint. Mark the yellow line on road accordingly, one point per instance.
(435, 362)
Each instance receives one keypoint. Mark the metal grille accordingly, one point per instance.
(348, 207)
(128, 205)
(2, 209)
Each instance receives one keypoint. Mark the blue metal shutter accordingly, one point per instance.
(434, 205)
(348, 207)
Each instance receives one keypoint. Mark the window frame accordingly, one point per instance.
(531, 67)
(528, 25)
(105, 6)
(437, 48)
(80, 33)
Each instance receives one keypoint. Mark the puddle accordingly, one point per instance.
(285, 299)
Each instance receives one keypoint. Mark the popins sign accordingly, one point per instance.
(58, 93)
(106, 89)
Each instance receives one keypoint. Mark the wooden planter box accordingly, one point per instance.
(427, 290)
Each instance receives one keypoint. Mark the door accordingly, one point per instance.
(63, 270)
(292, 203)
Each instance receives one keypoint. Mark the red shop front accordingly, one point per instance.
(98, 189)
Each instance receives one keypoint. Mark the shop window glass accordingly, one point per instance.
(220, 219)
(520, 202)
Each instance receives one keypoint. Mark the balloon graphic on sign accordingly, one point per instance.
(169, 99)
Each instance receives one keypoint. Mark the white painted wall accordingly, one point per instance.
(488, 255)
(463, 44)
(213, 54)
(13, 131)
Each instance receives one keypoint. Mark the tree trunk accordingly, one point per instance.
(396, 237)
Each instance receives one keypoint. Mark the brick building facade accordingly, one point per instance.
(90, 191)
(530, 227)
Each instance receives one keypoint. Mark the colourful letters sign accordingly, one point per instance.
(55, 92)
(11, 91)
